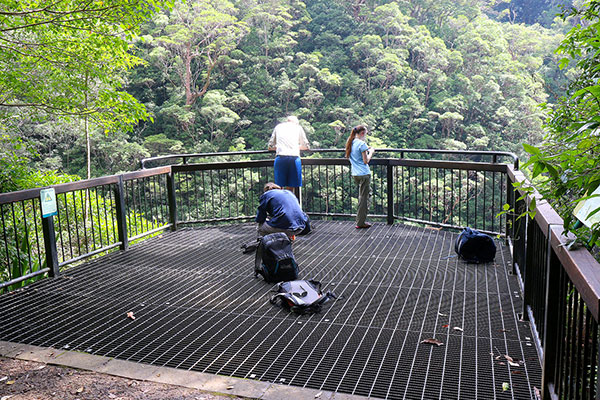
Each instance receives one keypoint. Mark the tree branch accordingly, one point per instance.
(60, 111)
(95, 15)
(34, 11)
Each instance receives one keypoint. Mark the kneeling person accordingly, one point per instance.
(279, 211)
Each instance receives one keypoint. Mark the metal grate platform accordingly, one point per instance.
(198, 307)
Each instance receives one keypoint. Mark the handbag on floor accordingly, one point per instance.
(301, 297)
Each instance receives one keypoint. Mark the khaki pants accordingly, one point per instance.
(265, 229)
(364, 193)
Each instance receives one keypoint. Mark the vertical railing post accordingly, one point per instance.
(50, 246)
(520, 228)
(553, 299)
(529, 257)
(172, 200)
(390, 193)
(121, 214)
(510, 217)
(597, 373)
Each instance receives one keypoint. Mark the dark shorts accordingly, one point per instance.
(288, 171)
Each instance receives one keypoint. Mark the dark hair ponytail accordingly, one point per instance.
(355, 131)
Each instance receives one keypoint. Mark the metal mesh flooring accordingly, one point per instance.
(197, 307)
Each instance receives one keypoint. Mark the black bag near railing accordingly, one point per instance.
(475, 247)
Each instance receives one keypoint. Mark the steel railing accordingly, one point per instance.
(438, 192)
(93, 216)
(561, 297)
(560, 287)
(490, 156)
(99, 215)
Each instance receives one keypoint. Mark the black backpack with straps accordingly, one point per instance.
(274, 258)
(474, 246)
(301, 297)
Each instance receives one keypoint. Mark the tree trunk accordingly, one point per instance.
(88, 144)
(356, 8)
(187, 77)
(427, 92)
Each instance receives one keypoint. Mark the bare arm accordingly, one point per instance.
(303, 140)
(368, 154)
(273, 142)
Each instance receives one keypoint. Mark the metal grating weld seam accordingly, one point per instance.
(198, 307)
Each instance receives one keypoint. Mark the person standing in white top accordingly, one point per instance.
(287, 140)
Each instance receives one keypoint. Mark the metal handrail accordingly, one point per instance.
(549, 272)
(383, 166)
(185, 157)
(555, 280)
(29, 194)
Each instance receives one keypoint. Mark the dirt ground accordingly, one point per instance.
(27, 380)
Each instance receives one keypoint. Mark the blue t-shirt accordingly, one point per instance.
(356, 160)
(283, 208)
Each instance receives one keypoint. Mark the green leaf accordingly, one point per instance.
(531, 149)
(594, 237)
(563, 63)
(538, 168)
(593, 90)
(552, 171)
(593, 212)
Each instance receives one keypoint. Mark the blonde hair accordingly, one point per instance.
(355, 131)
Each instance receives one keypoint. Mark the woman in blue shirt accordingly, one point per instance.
(360, 154)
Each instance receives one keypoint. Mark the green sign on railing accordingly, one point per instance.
(48, 200)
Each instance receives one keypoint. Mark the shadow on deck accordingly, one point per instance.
(198, 307)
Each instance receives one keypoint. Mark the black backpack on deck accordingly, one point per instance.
(302, 297)
(475, 247)
(274, 258)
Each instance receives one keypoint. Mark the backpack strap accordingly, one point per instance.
(258, 269)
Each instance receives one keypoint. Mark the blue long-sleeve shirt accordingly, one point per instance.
(283, 208)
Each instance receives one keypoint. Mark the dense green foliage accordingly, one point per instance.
(530, 11)
(66, 61)
(67, 57)
(567, 166)
(420, 74)
(218, 74)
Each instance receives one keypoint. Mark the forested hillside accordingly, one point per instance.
(217, 75)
